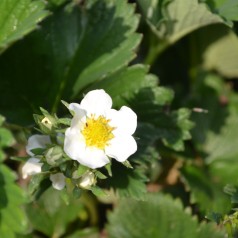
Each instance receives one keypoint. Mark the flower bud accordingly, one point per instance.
(87, 180)
(53, 154)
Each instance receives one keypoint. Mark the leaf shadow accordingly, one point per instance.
(3, 196)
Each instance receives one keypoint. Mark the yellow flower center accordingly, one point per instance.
(97, 132)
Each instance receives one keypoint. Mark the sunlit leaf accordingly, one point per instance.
(158, 216)
(18, 18)
(225, 8)
(171, 20)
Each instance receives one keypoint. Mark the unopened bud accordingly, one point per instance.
(47, 123)
(53, 154)
(87, 180)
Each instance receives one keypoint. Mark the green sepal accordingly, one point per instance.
(45, 167)
(64, 121)
(98, 191)
(38, 151)
(100, 175)
(21, 159)
(77, 192)
(53, 155)
(127, 164)
(109, 169)
(80, 171)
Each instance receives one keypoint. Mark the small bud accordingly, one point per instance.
(58, 181)
(87, 180)
(47, 123)
(53, 154)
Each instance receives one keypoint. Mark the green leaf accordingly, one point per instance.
(51, 216)
(216, 133)
(2, 119)
(225, 8)
(66, 57)
(171, 127)
(158, 216)
(127, 182)
(207, 194)
(98, 191)
(171, 20)
(100, 175)
(221, 51)
(77, 192)
(13, 219)
(124, 84)
(233, 192)
(85, 233)
(6, 138)
(80, 171)
(18, 18)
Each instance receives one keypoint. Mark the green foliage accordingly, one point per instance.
(13, 219)
(187, 120)
(172, 20)
(57, 49)
(157, 216)
(6, 139)
(18, 18)
(218, 130)
(219, 53)
(208, 194)
(226, 8)
(52, 216)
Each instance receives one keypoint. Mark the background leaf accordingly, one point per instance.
(157, 216)
(172, 20)
(225, 8)
(52, 216)
(18, 18)
(13, 219)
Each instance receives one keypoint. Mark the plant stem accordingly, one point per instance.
(155, 49)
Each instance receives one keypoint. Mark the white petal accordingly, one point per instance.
(73, 143)
(32, 166)
(37, 141)
(58, 181)
(79, 116)
(124, 120)
(87, 180)
(96, 102)
(93, 158)
(121, 147)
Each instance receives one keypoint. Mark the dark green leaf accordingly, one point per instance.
(65, 56)
(13, 219)
(127, 182)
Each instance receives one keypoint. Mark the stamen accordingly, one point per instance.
(97, 132)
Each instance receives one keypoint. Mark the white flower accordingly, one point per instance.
(98, 132)
(58, 181)
(87, 180)
(32, 166)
